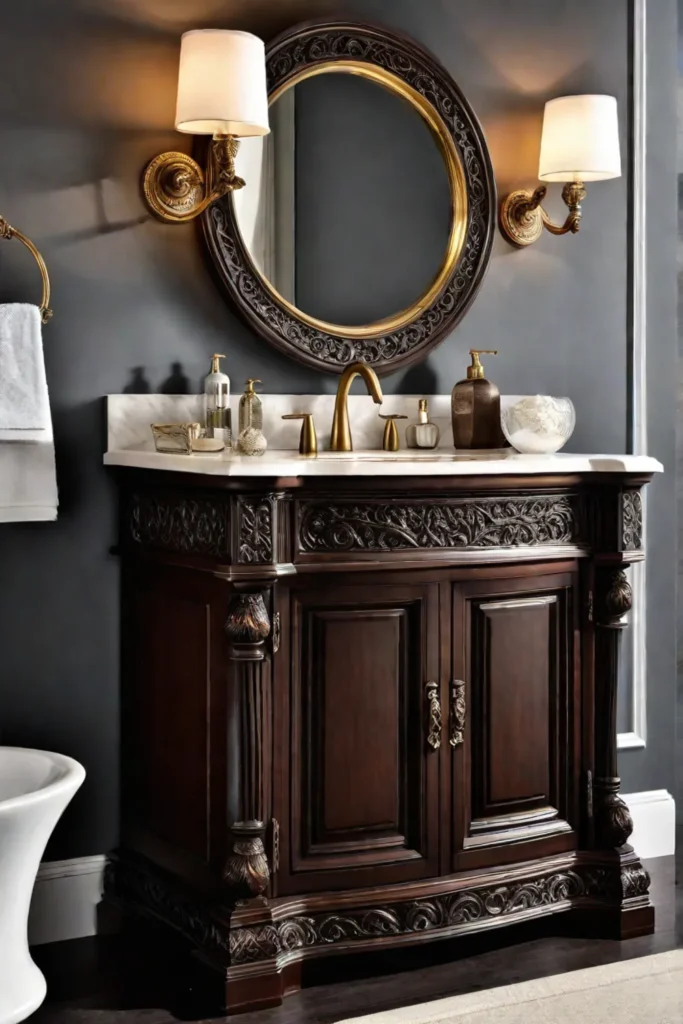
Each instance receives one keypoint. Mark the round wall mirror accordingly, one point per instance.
(365, 223)
(349, 212)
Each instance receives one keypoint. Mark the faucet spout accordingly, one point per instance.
(340, 437)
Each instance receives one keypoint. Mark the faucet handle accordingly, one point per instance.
(390, 439)
(308, 441)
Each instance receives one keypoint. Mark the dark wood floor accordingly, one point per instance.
(101, 982)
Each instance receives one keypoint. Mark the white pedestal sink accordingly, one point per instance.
(35, 788)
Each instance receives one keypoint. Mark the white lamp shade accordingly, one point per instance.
(580, 140)
(222, 84)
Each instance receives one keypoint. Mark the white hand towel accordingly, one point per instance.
(24, 401)
(28, 482)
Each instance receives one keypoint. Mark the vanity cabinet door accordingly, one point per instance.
(356, 776)
(514, 716)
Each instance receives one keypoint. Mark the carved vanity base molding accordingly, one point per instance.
(605, 896)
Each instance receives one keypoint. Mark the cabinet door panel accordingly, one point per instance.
(356, 697)
(515, 642)
(362, 803)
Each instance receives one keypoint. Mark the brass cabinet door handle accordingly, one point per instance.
(434, 727)
(458, 712)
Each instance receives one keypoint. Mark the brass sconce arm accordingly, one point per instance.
(177, 190)
(522, 218)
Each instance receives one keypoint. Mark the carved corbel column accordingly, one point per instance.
(248, 627)
(613, 823)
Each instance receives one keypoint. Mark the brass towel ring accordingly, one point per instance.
(7, 231)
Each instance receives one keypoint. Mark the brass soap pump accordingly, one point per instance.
(475, 407)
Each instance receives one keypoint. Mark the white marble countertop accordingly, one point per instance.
(285, 463)
(130, 443)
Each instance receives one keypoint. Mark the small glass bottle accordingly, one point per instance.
(424, 433)
(250, 438)
(217, 403)
(251, 410)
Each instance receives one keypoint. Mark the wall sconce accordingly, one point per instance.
(580, 143)
(222, 92)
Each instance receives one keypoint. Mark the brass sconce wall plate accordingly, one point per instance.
(522, 218)
(174, 184)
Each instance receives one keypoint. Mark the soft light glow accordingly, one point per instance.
(222, 84)
(580, 140)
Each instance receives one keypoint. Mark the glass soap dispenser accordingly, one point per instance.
(217, 402)
(250, 438)
(424, 433)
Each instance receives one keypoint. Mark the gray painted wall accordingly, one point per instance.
(86, 98)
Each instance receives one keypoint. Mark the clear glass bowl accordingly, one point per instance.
(537, 424)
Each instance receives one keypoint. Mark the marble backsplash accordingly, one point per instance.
(129, 417)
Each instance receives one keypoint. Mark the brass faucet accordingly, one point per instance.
(340, 438)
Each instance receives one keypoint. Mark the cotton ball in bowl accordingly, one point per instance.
(537, 424)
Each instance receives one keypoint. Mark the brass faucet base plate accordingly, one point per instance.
(520, 225)
(173, 185)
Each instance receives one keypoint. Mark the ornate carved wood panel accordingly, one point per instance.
(479, 522)
(364, 777)
(631, 520)
(256, 518)
(304, 931)
(174, 522)
(518, 663)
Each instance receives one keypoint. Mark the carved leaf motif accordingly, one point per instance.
(178, 524)
(134, 885)
(631, 521)
(482, 522)
(419, 915)
(256, 530)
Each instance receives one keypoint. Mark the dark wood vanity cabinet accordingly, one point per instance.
(356, 718)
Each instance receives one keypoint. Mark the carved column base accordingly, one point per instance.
(616, 903)
(246, 869)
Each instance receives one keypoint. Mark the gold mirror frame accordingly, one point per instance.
(457, 187)
(393, 342)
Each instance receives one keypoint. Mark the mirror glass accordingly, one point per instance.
(347, 209)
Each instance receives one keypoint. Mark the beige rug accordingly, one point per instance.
(646, 990)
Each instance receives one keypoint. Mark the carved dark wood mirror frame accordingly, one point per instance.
(413, 72)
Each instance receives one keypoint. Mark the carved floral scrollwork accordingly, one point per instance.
(136, 885)
(630, 882)
(256, 530)
(438, 912)
(192, 526)
(481, 522)
(631, 521)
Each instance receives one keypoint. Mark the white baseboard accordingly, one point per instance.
(654, 823)
(67, 892)
(65, 898)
